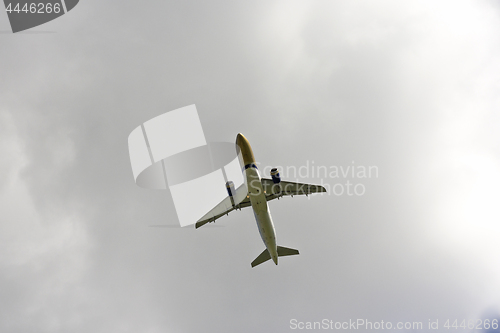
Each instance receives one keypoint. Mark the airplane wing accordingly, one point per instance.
(288, 188)
(240, 200)
(272, 192)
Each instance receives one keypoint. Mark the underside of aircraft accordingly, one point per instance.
(255, 192)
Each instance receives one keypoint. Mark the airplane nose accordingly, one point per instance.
(239, 138)
(243, 147)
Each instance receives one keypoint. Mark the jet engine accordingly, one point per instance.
(230, 191)
(275, 175)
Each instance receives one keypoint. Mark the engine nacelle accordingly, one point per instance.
(230, 188)
(275, 175)
(230, 191)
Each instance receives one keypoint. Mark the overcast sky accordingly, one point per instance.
(408, 87)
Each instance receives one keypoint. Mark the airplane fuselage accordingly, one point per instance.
(257, 197)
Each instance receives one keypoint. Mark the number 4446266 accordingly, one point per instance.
(477, 324)
(35, 8)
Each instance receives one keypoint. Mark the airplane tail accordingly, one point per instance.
(265, 256)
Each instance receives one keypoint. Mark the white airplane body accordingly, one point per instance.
(261, 211)
(256, 192)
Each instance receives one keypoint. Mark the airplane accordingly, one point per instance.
(256, 192)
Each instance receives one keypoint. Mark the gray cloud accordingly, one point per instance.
(409, 88)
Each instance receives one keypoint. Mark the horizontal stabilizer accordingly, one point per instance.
(285, 251)
(263, 257)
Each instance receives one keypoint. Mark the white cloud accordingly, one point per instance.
(43, 257)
